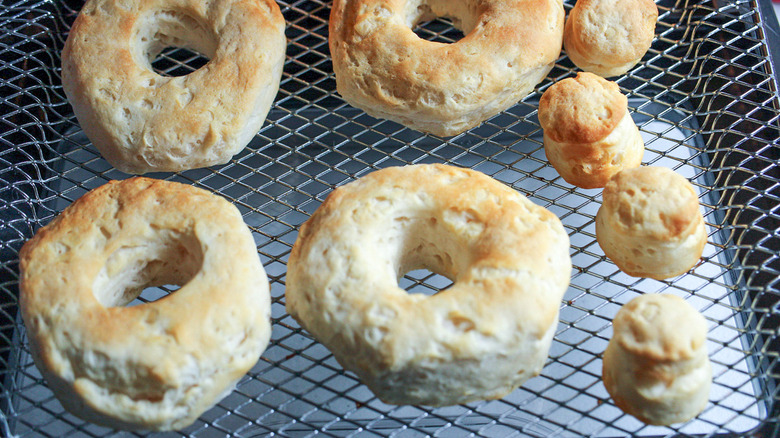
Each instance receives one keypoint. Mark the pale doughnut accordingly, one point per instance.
(588, 132)
(478, 339)
(385, 69)
(141, 121)
(609, 37)
(656, 366)
(157, 365)
(649, 223)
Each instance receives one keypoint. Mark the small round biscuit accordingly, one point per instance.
(609, 37)
(157, 365)
(141, 121)
(649, 223)
(589, 135)
(479, 339)
(656, 366)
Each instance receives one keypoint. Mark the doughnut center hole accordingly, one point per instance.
(146, 271)
(173, 43)
(423, 281)
(427, 259)
(152, 294)
(441, 21)
(176, 61)
(438, 30)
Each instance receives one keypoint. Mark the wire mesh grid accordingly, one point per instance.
(704, 98)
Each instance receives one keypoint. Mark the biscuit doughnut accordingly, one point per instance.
(157, 365)
(649, 223)
(656, 366)
(478, 339)
(385, 69)
(143, 122)
(609, 37)
(588, 132)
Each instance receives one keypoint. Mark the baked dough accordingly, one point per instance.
(143, 122)
(609, 37)
(383, 68)
(157, 365)
(656, 366)
(589, 135)
(478, 339)
(649, 223)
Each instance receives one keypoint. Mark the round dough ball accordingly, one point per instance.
(649, 223)
(589, 135)
(656, 366)
(609, 37)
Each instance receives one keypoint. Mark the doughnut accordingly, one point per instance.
(141, 121)
(588, 132)
(609, 37)
(384, 68)
(656, 366)
(157, 365)
(482, 337)
(649, 223)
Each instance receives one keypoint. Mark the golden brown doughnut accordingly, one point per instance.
(383, 68)
(143, 122)
(157, 365)
(478, 339)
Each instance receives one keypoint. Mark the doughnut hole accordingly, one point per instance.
(424, 281)
(173, 43)
(441, 21)
(152, 294)
(438, 30)
(427, 263)
(166, 258)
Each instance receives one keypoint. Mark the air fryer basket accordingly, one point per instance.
(704, 98)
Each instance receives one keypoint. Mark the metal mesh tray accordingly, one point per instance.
(704, 98)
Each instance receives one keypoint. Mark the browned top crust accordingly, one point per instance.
(652, 201)
(660, 328)
(382, 67)
(583, 109)
(142, 121)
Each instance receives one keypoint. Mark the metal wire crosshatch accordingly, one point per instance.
(706, 103)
